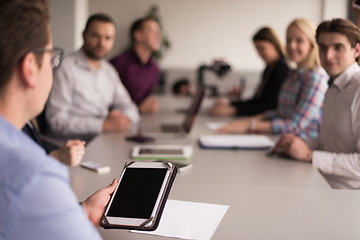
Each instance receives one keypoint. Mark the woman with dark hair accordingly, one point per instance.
(270, 49)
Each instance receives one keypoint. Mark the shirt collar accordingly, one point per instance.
(83, 61)
(297, 73)
(135, 56)
(341, 81)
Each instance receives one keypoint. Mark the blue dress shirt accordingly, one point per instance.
(36, 201)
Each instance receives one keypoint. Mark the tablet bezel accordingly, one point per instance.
(137, 222)
(186, 152)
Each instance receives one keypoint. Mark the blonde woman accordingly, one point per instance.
(301, 95)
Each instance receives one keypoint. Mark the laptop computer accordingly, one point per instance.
(180, 130)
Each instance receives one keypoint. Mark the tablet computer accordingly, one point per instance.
(162, 152)
(140, 196)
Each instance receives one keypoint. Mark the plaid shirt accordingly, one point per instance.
(299, 103)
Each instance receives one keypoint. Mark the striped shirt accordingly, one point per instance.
(299, 103)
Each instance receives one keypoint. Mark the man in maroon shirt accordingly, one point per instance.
(137, 69)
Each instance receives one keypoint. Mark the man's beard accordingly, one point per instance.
(90, 54)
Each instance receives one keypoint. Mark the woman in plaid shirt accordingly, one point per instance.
(301, 95)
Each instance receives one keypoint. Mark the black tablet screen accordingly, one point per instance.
(137, 193)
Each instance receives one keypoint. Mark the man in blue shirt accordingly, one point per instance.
(36, 201)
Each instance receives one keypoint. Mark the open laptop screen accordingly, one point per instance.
(193, 111)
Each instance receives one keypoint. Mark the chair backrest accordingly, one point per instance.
(41, 122)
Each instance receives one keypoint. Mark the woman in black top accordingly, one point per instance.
(270, 49)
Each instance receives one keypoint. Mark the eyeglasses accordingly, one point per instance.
(57, 55)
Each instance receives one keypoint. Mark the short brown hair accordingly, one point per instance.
(268, 34)
(24, 26)
(98, 17)
(342, 26)
(138, 25)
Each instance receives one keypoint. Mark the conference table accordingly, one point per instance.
(268, 198)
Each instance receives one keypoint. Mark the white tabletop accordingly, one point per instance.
(269, 198)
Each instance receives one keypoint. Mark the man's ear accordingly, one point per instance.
(138, 36)
(28, 69)
(357, 50)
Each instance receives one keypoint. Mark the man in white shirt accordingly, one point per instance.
(88, 97)
(336, 152)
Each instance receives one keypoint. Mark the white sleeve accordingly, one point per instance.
(341, 164)
(124, 103)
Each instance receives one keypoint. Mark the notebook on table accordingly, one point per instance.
(243, 141)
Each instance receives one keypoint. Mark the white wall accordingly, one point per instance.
(67, 20)
(334, 8)
(62, 18)
(81, 10)
(200, 30)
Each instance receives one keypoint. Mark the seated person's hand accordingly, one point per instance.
(222, 107)
(94, 206)
(71, 153)
(239, 126)
(294, 147)
(222, 101)
(116, 122)
(234, 91)
(149, 105)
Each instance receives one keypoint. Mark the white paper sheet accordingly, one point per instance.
(236, 141)
(189, 220)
